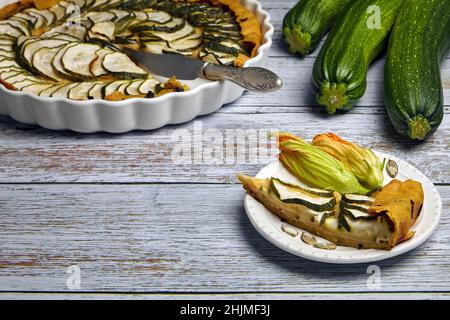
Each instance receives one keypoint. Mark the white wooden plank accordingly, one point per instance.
(45, 156)
(177, 238)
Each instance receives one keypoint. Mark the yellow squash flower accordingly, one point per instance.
(313, 166)
(362, 162)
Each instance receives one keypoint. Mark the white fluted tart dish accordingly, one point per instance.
(61, 64)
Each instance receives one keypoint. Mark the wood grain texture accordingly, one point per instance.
(141, 226)
(232, 296)
(45, 156)
(176, 238)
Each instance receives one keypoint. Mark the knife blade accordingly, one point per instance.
(168, 65)
(184, 68)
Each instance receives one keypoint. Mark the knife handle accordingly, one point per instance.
(252, 78)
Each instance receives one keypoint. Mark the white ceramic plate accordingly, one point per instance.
(269, 225)
(144, 114)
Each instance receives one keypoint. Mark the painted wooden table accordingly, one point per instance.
(121, 210)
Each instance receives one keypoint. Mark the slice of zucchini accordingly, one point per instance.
(19, 77)
(120, 14)
(42, 63)
(124, 86)
(19, 24)
(96, 91)
(6, 62)
(57, 61)
(112, 87)
(36, 88)
(111, 4)
(7, 41)
(296, 195)
(157, 47)
(96, 17)
(27, 16)
(96, 38)
(98, 4)
(123, 23)
(148, 86)
(3, 70)
(96, 65)
(59, 11)
(50, 17)
(7, 53)
(81, 90)
(81, 3)
(142, 16)
(21, 40)
(6, 28)
(36, 17)
(133, 88)
(172, 26)
(189, 43)
(77, 59)
(62, 36)
(28, 22)
(48, 91)
(30, 48)
(105, 29)
(6, 76)
(358, 199)
(224, 47)
(355, 214)
(78, 31)
(19, 85)
(358, 207)
(187, 30)
(160, 17)
(217, 58)
(122, 66)
(63, 91)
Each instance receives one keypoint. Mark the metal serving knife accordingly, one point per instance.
(183, 68)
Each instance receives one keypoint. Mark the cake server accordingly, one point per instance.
(184, 68)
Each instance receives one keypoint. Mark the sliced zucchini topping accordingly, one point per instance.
(357, 199)
(302, 196)
(77, 59)
(42, 62)
(122, 66)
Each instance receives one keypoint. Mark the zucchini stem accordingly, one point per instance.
(419, 128)
(298, 41)
(333, 96)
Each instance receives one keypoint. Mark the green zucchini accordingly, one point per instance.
(340, 70)
(413, 87)
(307, 22)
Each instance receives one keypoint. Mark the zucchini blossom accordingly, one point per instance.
(312, 165)
(362, 162)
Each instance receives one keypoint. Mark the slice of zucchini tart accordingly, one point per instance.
(379, 221)
(73, 48)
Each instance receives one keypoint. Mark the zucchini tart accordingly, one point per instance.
(73, 49)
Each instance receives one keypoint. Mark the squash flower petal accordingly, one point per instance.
(313, 166)
(362, 162)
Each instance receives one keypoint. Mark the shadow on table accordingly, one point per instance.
(293, 264)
